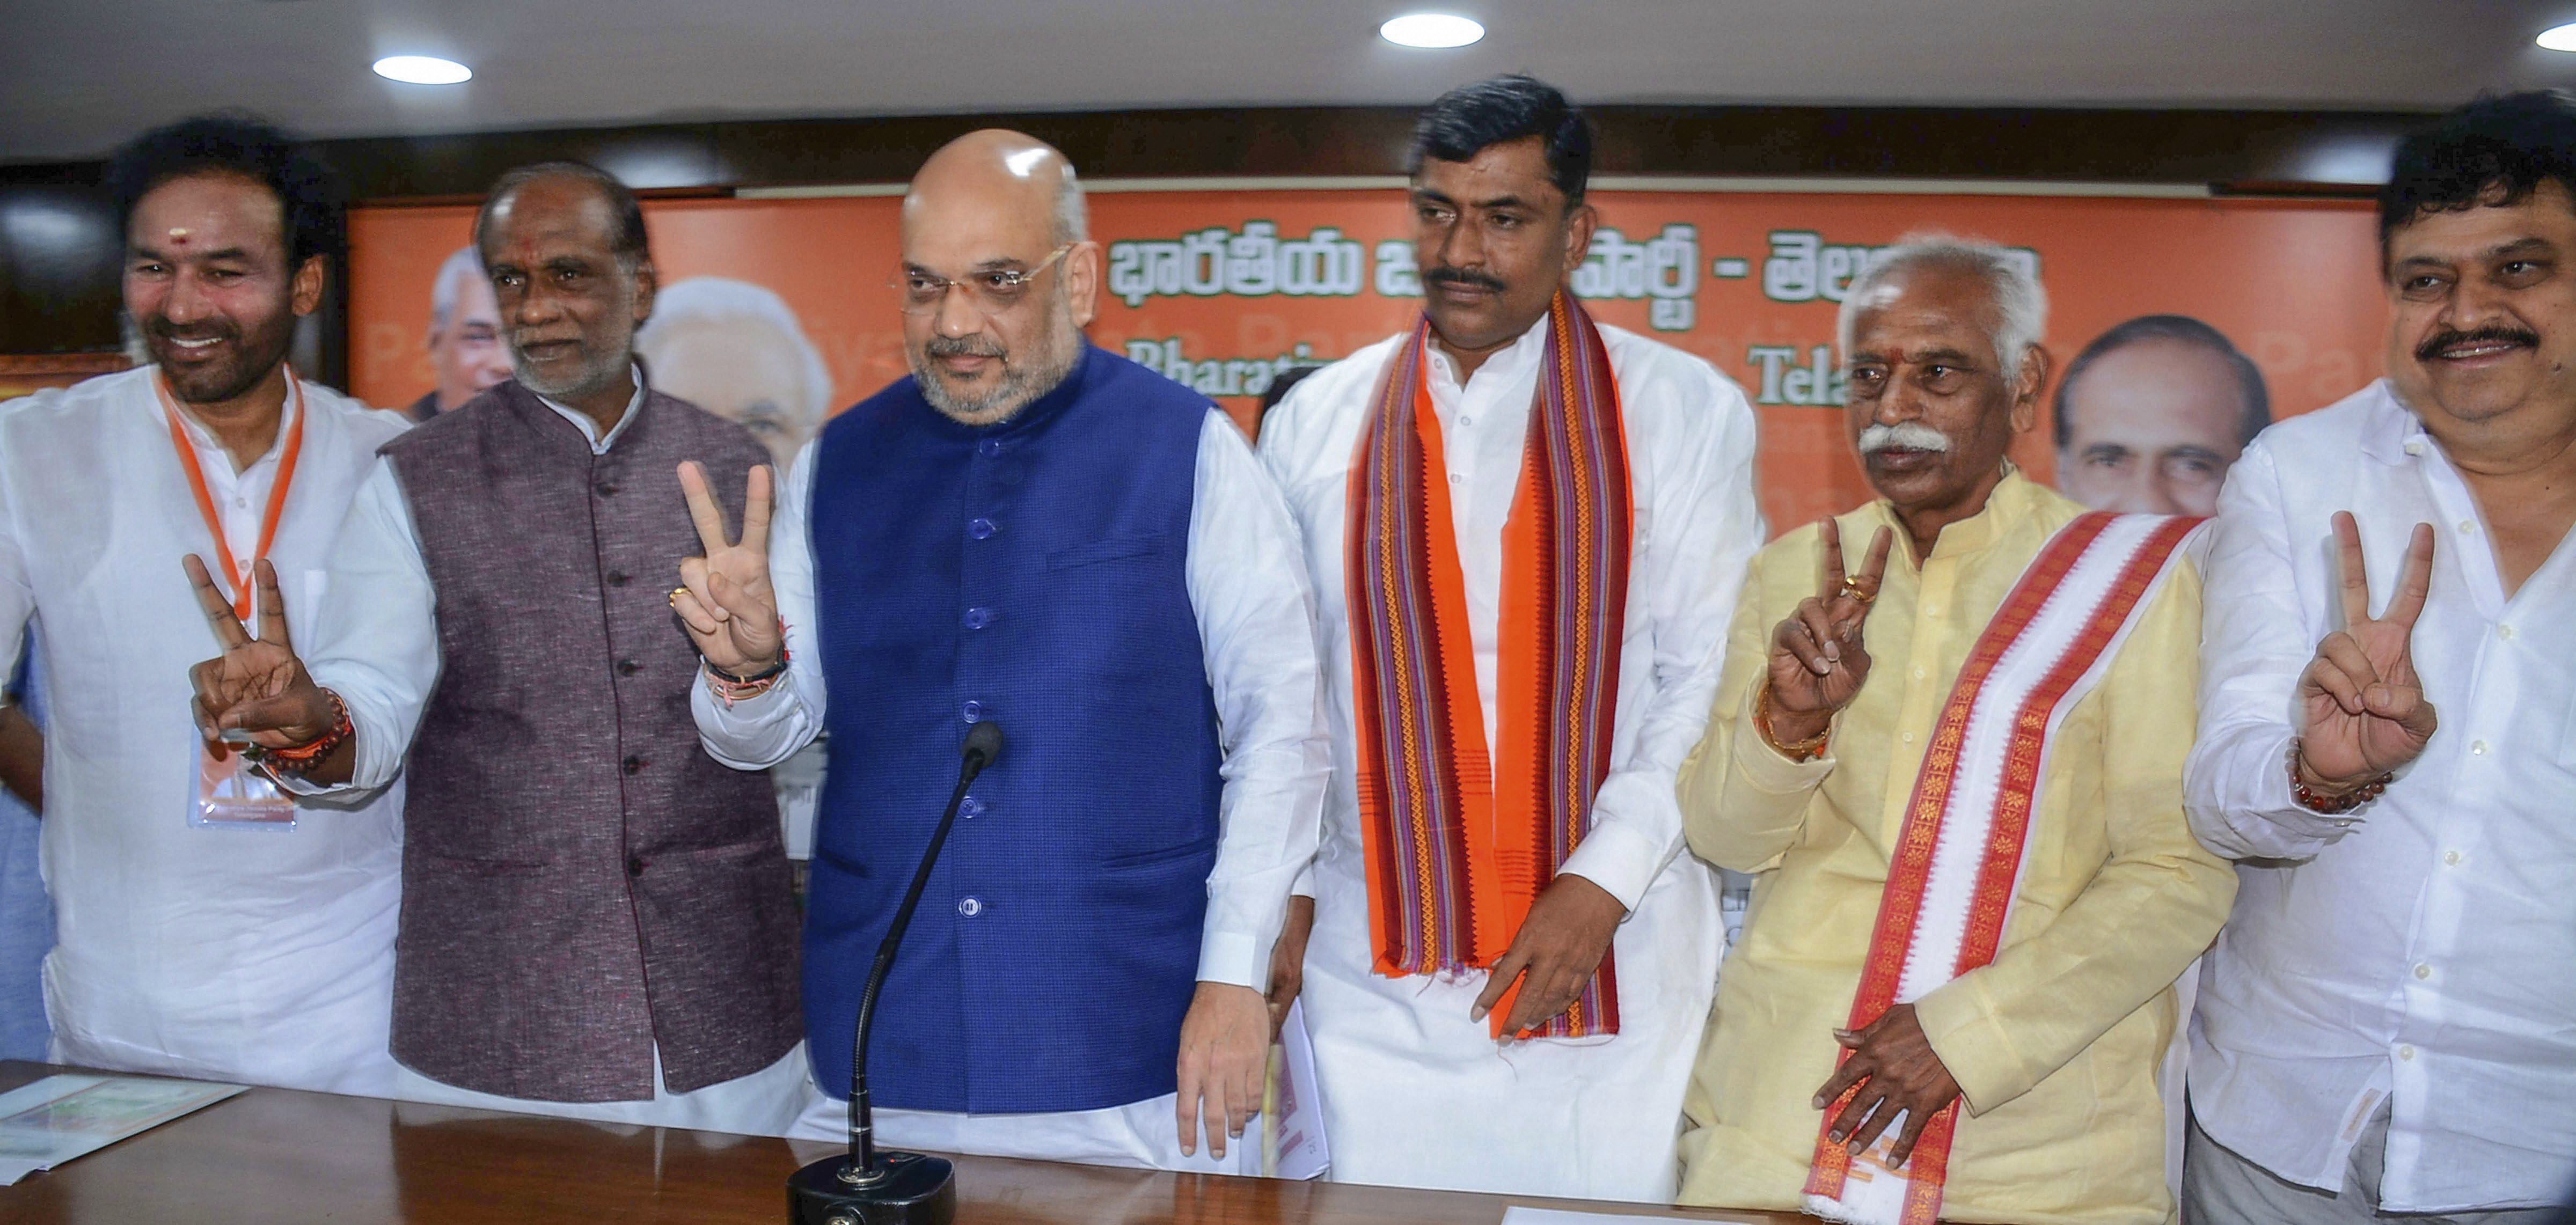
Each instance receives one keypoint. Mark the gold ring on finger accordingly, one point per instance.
(675, 595)
(1852, 589)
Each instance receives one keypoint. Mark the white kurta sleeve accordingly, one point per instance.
(17, 593)
(1256, 614)
(375, 638)
(763, 731)
(2254, 644)
(1707, 527)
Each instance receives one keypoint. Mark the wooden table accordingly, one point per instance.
(280, 1157)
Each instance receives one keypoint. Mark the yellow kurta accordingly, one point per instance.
(2056, 1043)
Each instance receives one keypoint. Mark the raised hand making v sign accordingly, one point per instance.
(725, 598)
(2365, 712)
(1818, 658)
(258, 687)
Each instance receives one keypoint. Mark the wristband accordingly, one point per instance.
(731, 689)
(766, 674)
(301, 758)
(2332, 806)
(1808, 749)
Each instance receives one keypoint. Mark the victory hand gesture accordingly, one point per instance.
(1818, 660)
(2365, 709)
(257, 685)
(726, 602)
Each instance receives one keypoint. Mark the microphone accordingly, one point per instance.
(864, 1186)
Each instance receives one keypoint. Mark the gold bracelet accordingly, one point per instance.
(1808, 749)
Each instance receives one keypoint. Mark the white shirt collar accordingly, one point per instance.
(590, 428)
(1503, 364)
(207, 444)
(2394, 431)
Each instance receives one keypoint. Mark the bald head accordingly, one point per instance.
(1023, 180)
(999, 277)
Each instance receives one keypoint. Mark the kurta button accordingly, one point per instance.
(634, 765)
(628, 667)
(972, 711)
(635, 865)
(970, 908)
(980, 529)
(616, 578)
(2406, 1053)
(605, 489)
(978, 618)
(2423, 971)
(971, 808)
(2451, 857)
(989, 448)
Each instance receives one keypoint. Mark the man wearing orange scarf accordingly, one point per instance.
(1525, 530)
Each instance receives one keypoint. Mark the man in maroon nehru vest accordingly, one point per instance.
(596, 915)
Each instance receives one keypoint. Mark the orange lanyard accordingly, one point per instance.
(238, 573)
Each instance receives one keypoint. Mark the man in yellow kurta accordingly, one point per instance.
(1833, 1059)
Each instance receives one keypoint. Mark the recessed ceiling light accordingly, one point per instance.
(1432, 30)
(2558, 38)
(423, 70)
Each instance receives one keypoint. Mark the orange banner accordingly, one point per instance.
(781, 311)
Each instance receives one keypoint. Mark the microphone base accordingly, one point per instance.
(914, 1190)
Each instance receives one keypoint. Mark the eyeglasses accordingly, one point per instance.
(992, 292)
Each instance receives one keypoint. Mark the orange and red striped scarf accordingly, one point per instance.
(1460, 843)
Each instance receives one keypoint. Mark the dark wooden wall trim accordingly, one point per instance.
(61, 296)
(2310, 149)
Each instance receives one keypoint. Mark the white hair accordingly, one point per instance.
(1072, 209)
(466, 264)
(713, 298)
(2011, 277)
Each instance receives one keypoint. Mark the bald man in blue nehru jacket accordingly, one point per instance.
(1037, 532)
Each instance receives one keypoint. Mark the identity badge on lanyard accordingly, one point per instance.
(231, 795)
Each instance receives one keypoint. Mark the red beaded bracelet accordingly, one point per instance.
(2331, 806)
(296, 759)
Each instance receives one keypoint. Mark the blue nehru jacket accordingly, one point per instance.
(1031, 573)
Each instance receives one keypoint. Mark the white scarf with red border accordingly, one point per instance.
(1958, 863)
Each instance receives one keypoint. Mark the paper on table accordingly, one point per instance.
(1292, 1116)
(1557, 1216)
(47, 1123)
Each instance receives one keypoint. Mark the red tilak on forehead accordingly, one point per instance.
(178, 236)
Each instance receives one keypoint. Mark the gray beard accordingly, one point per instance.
(593, 378)
(1021, 385)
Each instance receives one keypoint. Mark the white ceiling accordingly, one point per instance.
(76, 76)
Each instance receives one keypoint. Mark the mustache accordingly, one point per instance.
(1907, 435)
(2438, 341)
(522, 338)
(1461, 276)
(964, 346)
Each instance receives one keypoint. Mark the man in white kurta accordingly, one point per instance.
(1416, 1090)
(242, 951)
(2388, 732)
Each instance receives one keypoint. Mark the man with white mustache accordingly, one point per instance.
(596, 916)
(1957, 983)
(210, 926)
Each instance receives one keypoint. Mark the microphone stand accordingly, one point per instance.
(864, 1186)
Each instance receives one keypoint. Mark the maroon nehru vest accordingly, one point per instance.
(580, 880)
